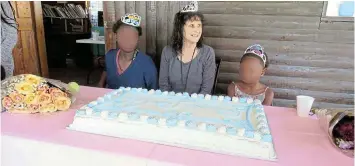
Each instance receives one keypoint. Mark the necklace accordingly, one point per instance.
(120, 69)
(188, 70)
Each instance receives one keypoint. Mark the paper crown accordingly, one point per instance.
(132, 19)
(258, 50)
(192, 7)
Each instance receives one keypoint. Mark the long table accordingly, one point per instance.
(40, 139)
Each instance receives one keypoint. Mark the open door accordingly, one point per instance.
(30, 52)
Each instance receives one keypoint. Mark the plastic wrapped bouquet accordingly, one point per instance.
(29, 93)
(339, 126)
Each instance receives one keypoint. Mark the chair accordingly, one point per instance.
(218, 64)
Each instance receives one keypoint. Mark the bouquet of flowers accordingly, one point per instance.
(28, 93)
(339, 126)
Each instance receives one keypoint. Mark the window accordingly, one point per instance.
(95, 6)
(339, 9)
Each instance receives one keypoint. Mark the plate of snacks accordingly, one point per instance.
(29, 94)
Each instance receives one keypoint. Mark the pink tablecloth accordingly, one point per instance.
(298, 141)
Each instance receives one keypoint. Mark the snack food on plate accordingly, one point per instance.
(29, 93)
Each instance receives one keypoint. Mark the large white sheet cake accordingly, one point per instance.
(209, 123)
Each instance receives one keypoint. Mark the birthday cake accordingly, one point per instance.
(233, 126)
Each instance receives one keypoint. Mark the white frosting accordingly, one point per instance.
(144, 118)
(180, 135)
(181, 123)
(222, 129)
(123, 116)
(240, 132)
(202, 126)
(257, 136)
(250, 100)
(235, 99)
(151, 91)
(89, 111)
(162, 121)
(220, 98)
(257, 101)
(100, 99)
(104, 114)
(128, 88)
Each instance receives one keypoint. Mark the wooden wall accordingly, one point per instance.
(309, 54)
(157, 21)
(30, 52)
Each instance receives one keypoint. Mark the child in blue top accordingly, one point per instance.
(127, 66)
(253, 65)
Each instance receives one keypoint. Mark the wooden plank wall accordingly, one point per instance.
(157, 21)
(30, 52)
(309, 55)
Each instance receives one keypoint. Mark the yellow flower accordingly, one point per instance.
(44, 98)
(32, 79)
(24, 88)
(62, 103)
(48, 108)
(31, 98)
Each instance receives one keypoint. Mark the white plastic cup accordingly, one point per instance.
(304, 105)
(95, 35)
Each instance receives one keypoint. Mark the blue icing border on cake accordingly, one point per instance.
(158, 92)
(133, 116)
(96, 113)
(185, 94)
(231, 131)
(227, 98)
(214, 97)
(171, 122)
(191, 124)
(200, 96)
(211, 128)
(243, 100)
(152, 120)
(113, 115)
(266, 138)
(249, 134)
(80, 112)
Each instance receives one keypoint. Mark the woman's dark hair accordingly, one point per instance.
(8, 19)
(178, 32)
(255, 56)
(119, 23)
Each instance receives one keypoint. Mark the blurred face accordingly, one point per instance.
(127, 38)
(251, 70)
(193, 30)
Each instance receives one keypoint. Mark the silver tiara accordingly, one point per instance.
(192, 7)
(132, 19)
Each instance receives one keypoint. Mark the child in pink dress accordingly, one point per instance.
(253, 65)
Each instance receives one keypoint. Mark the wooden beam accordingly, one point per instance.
(293, 59)
(40, 38)
(278, 34)
(325, 85)
(286, 22)
(262, 8)
(282, 47)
